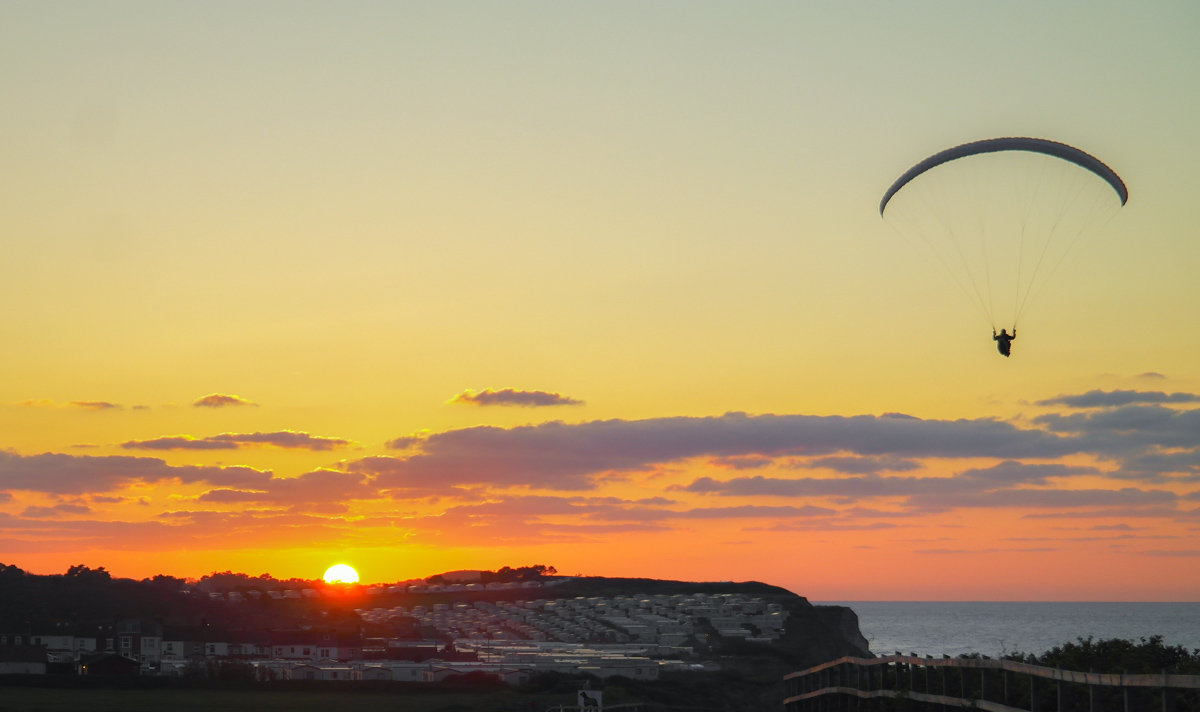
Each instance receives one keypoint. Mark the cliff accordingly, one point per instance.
(812, 634)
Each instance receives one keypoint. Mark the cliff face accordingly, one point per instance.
(846, 622)
(816, 634)
(812, 634)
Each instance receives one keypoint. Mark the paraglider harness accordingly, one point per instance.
(1004, 341)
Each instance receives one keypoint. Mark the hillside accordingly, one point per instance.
(741, 672)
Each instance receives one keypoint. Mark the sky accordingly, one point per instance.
(427, 286)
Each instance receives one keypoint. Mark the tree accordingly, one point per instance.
(83, 574)
(10, 573)
(1149, 655)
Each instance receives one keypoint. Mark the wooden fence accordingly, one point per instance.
(909, 682)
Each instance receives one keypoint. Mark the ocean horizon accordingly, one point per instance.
(997, 628)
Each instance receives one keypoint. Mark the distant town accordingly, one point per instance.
(509, 626)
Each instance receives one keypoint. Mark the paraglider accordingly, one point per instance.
(1004, 341)
(1001, 215)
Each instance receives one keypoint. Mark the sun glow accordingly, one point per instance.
(341, 573)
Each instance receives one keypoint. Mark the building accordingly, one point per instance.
(108, 665)
(23, 660)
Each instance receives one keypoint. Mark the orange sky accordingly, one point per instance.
(426, 287)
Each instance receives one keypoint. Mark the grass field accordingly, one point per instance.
(34, 699)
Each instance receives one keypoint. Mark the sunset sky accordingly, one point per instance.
(424, 286)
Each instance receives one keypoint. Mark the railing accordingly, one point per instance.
(909, 682)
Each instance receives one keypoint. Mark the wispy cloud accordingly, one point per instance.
(1110, 399)
(510, 396)
(57, 510)
(37, 403)
(320, 486)
(742, 462)
(220, 400)
(95, 405)
(173, 531)
(232, 441)
(963, 489)
(180, 442)
(75, 404)
(988, 550)
(866, 465)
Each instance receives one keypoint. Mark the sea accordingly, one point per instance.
(999, 628)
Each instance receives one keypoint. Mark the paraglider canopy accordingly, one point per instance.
(1002, 214)
(991, 145)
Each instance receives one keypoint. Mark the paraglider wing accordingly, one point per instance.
(1002, 214)
(991, 145)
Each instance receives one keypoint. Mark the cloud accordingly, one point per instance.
(509, 396)
(219, 400)
(742, 462)
(556, 455)
(1112, 539)
(37, 403)
(1119, 512)
(1110, 399)
(1130, 430)
(753, 511)
(57, 510)
(964, 488)
(78, 404)
(865, 465)
(1058, 499)
(990, 550)
(179, 442)
(78, 474)
(320, 486)
(406, 441)
(538, 483)
(543, 518)
(231, 441)
(825, 525)
(229, 496)
(174, 531)
(95, 405)
(1155, 465)
(511, 520)
(285, 439)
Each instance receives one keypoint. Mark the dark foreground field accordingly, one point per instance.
(34, 699)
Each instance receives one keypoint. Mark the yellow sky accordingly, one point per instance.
(645, 239)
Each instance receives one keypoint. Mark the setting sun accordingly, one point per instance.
(341, 573)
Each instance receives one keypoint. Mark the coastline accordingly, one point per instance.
(998, 628)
